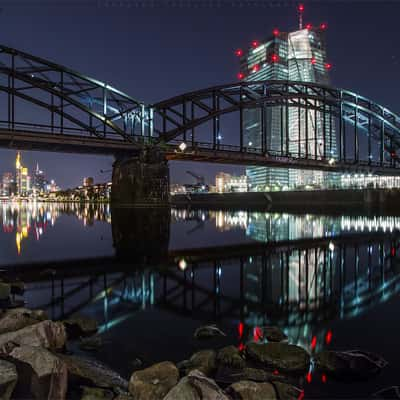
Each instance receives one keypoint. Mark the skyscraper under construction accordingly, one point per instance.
(293, 56)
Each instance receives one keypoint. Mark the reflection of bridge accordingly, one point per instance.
(297, 284)
(49, 107)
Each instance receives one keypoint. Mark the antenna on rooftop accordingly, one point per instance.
(300, 9)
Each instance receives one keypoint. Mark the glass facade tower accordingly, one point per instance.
(294, 56)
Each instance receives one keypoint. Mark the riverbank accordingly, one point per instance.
(305, 201)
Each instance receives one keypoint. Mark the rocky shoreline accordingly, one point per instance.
(36, 362)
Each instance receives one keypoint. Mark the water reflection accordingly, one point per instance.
(23, 219)
(301, 272)
(301, 283)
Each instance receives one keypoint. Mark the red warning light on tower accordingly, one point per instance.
(274, 58)
(256, 68)
(240, 75)
(275, 32)
(300, 8)
(323, 26)
(239, 52)
(255, 43)
(313, 61)
(309, 27)
(328, 66)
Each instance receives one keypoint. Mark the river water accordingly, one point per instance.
(151, 277)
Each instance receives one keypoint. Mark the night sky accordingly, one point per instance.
(155, 49)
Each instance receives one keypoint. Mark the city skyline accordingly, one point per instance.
(232, 28)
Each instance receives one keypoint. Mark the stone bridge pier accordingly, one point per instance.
(141, 181)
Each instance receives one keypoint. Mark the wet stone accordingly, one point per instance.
(93, 343)
(249, 390)
(40, 373)
(90, 393)
(281, 356)
(48, 334)
(8, 379)
(80, 325)
(154, 382)
(83, 371)
(286, 391)
(207, 332)
(18, 318)
(273, 334)
(392, 392)
(204, 361)
(196, 386)
(230, 356)
(354, 364)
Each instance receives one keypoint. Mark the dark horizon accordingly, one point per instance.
(153, 53)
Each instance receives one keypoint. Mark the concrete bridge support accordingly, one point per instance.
(141, 181)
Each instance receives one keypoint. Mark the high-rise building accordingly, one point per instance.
(230, 183)
(8, 184)
(22, 177)
(293, 56)
(39, 181)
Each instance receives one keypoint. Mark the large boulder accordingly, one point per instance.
(248, 390)
(230, 356)
(349, 364)
(8, 379)
(80, 325)
(204, 361)
(281, 356)
(86, 372)
(287, 391)
(18, 318)
(48, 334)
(272, 334)
(196, 386)
(155, 382)
(40, 373)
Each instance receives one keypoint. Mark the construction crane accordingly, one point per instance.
(199, 187)
(200, 179)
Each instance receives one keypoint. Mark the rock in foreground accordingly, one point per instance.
(83, 371)
(248, 390)
(207, 332)
(196, 386)
(155, 382)
(48, 334)
(204, 361)
(40, 373)
(350, 364)
(79, 325)
(8, 379)
(281, 356)
(18, 318)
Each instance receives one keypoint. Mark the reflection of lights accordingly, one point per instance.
(313, 343)
(328, 337)
(182, 264)
(331, 246)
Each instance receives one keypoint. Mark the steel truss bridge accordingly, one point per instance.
(49, 107)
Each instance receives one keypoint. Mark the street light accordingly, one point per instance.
(182, 146)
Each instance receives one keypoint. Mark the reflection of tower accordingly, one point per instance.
(293, 56)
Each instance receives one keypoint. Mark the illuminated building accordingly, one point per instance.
(89, 181)
(23, 180)
(230, 183)
(293, 56)
(39, 181)
(8, 184)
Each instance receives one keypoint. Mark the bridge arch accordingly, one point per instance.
(68, 102)
(358, 125)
